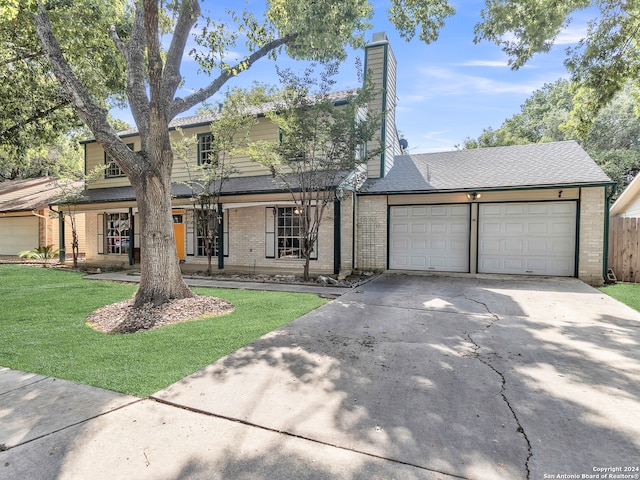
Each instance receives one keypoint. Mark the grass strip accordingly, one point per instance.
(627, 293)
(42, 330)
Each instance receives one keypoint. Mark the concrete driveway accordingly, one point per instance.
(405, 377)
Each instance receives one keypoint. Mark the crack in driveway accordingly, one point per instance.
(486, 362)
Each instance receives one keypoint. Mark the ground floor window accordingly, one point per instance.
(117, 228)
(289, 232)
(206, 233)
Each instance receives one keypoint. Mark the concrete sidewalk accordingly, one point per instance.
(330, 291)
(406, 377)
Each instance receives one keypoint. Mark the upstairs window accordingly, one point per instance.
(112, 170)
(291, 150)
(205, 149)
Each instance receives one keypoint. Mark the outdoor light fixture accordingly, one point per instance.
(473, 195)
(559, 193)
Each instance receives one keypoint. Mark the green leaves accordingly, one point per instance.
(322, 28)
(36, 111)
(427, 17)
(525, 27)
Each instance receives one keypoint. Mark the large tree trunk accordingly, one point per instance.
(161, 279)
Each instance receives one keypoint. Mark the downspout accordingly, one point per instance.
(46, 227)
(337, 241)
(132, 258)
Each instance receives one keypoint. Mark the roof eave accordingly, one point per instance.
(491, 189)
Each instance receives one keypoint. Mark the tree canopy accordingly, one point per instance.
(601, 64)
(38, 117)
(613, 140)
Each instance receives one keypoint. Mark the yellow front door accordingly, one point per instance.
(178, 232)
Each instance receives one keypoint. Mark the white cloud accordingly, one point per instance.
(445, 81)
(484, 63)
(572, 34)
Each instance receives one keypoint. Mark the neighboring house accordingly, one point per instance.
(26, 221)
(628, 203)
(532, 210)
(624, 235)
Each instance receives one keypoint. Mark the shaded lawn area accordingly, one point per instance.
(627, 293)
(42, 330)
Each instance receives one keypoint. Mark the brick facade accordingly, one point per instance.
(371, 233)
(591, 234)
(372, 223)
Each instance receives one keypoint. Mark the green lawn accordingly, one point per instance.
(42, 330)
(627, 293)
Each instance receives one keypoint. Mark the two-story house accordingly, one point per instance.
(260, 227)
(525, 210)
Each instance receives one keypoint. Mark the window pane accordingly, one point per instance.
(205, 148)
(206, 233)
(117, 228)
(289, 231)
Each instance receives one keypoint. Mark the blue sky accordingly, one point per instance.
(446, 91)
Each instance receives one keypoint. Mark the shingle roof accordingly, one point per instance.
(232, 186)
(46, 193)
(196, 120)
(542, 164)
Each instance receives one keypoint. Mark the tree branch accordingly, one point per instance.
(189, 13)
(134, 57)
(154, 59)
(183, 104)
(92, 115)
(33, 118)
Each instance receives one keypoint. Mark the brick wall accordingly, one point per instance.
(371, 233)
(247, 244)
(591, 248)
(346, 234)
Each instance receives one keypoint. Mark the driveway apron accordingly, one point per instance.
(476, 378)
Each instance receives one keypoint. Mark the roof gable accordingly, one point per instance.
(629, 196)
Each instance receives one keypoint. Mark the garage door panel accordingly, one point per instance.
(536, 246)
(400, 212)
(17, 234)
(527, 238)
(400, 228)
(513, 246)
(437, 238)
(461, 228)
(516, 209)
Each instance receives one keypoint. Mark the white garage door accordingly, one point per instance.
(429, 237)
(527, 238)
(17, 234)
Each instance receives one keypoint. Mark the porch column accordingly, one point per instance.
(337, 239)
(62, 253)
(220, 216)
(132, 259)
